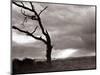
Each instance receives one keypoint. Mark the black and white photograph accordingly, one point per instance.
(52, 37)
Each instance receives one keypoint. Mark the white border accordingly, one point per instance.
(5, 37)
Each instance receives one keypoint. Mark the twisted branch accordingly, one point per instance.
(30, 34)
(42, 10)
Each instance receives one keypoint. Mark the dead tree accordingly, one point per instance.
(36, 17)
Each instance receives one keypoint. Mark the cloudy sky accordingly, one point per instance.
(71, 27)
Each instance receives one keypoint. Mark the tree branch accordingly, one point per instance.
(25, 18)
(23, 13)
(29, 34)
(48, 37)
(36, 14)
(35, 29)
(27, 8)
(23, 4)
(42, 10)
(32, 5)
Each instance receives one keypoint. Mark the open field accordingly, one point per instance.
(32, 66)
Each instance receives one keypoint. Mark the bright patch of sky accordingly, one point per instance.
(22, 39)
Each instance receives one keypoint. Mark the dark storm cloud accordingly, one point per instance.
(74, 24)
(70, 26)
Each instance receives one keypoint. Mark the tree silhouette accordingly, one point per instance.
(36, 17)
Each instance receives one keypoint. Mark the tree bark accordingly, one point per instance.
(48, 53)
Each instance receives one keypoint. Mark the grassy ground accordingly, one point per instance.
(31, 66)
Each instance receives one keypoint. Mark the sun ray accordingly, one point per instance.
(61, 54)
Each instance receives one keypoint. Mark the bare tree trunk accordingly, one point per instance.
(49, 47)
(48, 53)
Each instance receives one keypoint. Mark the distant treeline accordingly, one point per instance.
(27, 65)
